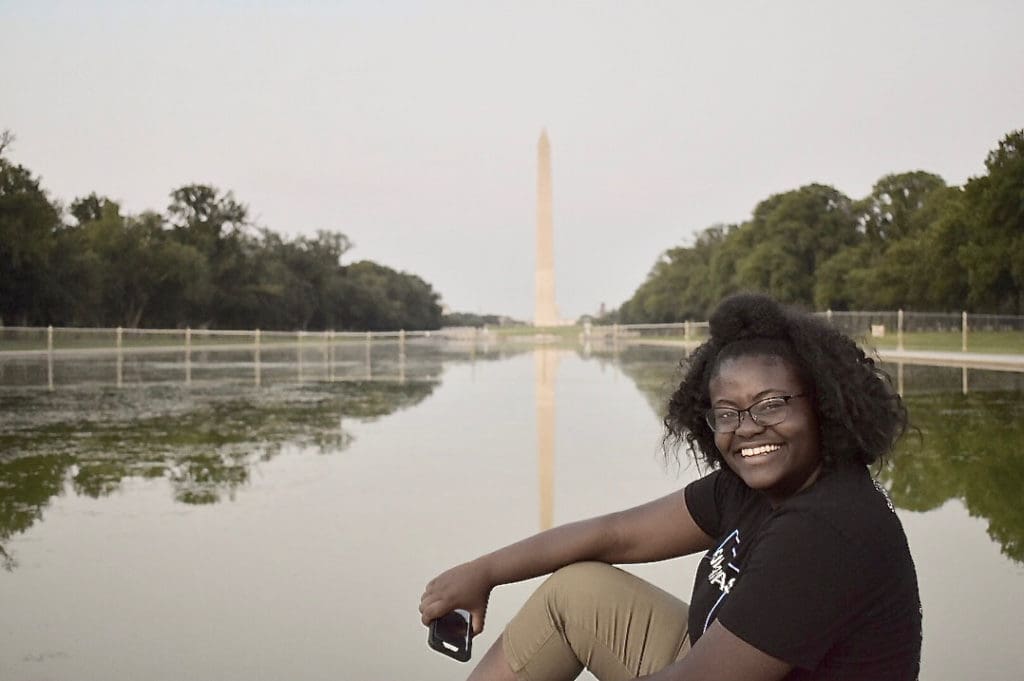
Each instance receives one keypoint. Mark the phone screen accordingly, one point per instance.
(451, 634)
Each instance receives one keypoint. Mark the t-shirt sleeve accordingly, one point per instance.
(800, 591)
(702, 501)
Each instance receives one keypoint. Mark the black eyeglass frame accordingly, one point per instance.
(709, 415)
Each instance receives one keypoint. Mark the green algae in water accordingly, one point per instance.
(203, 440)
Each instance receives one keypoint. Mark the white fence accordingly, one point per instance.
(327, 355)
(887, 331)
(687, 332)
(895, 329)
(886, 328)
(72, 340)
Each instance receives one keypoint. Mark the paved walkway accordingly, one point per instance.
(970, 360)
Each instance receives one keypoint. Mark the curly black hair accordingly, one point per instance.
(860, 414)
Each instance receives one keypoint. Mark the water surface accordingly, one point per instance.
(226, 527)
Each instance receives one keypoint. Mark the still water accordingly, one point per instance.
(282, 524)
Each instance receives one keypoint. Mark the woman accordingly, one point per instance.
(807, 573)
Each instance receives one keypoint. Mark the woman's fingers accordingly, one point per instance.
(459, 587)
(433, 609)
(432, 594)
(478, 620)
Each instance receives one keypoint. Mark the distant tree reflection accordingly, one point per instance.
(204, 441)
(203, 437)
(26, 487)
(971, 448)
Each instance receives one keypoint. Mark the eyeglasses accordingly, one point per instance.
(767, 412)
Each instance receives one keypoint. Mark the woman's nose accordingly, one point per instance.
(747, 424)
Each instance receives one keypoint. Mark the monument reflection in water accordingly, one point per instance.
(545, 370)
(229, 530)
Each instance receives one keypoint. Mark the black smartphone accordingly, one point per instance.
(452, 634)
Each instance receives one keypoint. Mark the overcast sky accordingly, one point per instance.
(412, 127)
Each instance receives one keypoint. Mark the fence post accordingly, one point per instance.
(686, 330)
(120, 358)
(188, 355)
(401, 355)
(369, 367)
(256, 356)
(899, 330)
(327, 353)
(963, 336)
(330, 368)
(828, 315)
(299, 344)
(49, 357)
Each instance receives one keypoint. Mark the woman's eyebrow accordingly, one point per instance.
(768, 393)
(764, 394)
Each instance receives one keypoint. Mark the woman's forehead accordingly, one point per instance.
(754, 374)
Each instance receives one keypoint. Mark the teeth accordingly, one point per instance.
(755, 451)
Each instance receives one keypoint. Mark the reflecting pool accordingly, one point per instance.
(225, 521)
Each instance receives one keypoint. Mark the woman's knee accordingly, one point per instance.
(585, 571)
(579, 585)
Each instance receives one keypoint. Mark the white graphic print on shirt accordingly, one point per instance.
(881, 490)
(724, 570)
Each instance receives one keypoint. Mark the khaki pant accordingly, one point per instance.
(595, 616)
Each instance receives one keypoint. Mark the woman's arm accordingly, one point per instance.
(657, 530)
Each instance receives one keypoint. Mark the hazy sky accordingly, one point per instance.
(412, 127)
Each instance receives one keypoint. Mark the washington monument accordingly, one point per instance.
(545, 313)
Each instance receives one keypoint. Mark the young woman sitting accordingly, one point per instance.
(806, 571)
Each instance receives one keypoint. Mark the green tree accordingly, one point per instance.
(204, 216)
(993, 256)
(794, 233)
(722, 274)
(214, 223)
(843, 281)
(940, 280)
(315, 264)
(140, 263)
(378, 298)
(677, 288)
(29, 222)
(906, 255)
(892, 210)
(91, 208)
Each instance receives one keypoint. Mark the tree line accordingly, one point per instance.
(201, 263)
(913, 243)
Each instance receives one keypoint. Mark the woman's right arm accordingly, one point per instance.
(657, 530)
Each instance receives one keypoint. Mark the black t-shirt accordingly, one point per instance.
(824, 581)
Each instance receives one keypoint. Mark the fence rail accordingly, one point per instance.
(883, 329)
(880, 329)
(977, 338)
(65, 341)
(33, 348)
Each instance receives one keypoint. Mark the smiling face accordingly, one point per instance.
(777, 460)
